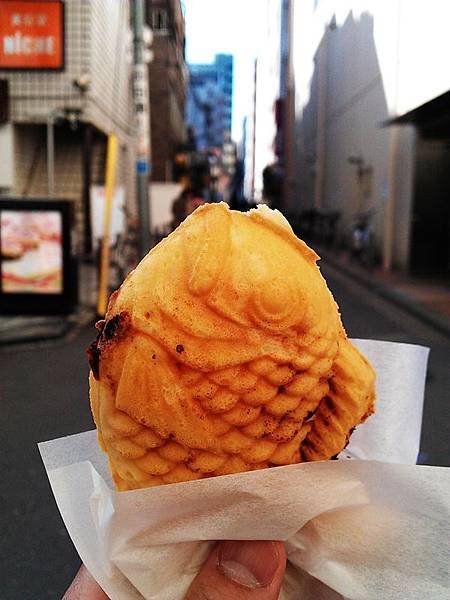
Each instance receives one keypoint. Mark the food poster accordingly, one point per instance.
(31, 252)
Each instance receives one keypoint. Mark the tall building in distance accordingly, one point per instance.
(209, 102)
(345, 162)
(168, 81)
(263, 141)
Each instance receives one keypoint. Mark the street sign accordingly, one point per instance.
(31, 35)
(142, 166)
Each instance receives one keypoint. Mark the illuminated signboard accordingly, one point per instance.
(31, 35)
(37, 273)
(31, 251)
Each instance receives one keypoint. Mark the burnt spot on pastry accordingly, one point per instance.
(330, 404)
(332, 385)
(347, 439)
(179, 348)
(306, 448)
(116, 326)
(107, 330)
(309, 416)
(93, 351)
(308, 443)
(369, 412)
(93, 354)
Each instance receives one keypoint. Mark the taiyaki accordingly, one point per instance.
(223, 352)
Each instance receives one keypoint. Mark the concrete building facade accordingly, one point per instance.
(269, 130)
(267, 93)
(168, 77)
(372, 115)
(81, 104)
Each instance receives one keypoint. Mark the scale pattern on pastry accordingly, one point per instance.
(223, 352)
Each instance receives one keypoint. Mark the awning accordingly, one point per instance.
(432, 118)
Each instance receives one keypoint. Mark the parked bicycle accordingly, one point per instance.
(125, 250)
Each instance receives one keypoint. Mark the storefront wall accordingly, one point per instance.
(358, 64)
(94, 87)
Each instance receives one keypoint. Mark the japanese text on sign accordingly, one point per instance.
(31, 35)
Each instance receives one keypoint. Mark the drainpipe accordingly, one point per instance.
(51, 152)
(389, 214)
(289, 117)
(86, 168)
(394, 135)
(321, 125)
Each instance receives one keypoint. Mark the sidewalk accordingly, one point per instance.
(16, 329)
(426, 298)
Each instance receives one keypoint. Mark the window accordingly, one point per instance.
(160, 20)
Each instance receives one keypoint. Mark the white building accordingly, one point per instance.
(261, 126)
(358, 65)
(76, 106)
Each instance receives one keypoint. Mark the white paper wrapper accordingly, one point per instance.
(375, 528)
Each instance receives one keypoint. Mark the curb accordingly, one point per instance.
(23, 329)
(427, 315)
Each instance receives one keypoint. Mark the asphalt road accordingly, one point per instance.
(43, 395)
(366, 315)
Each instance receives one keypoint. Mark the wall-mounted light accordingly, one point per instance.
(82, 83)
(356, 160)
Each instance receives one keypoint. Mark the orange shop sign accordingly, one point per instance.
(31, 34)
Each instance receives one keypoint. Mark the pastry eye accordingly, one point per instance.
(276, 303)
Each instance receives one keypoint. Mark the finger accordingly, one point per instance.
(84, 587)
(251, 570)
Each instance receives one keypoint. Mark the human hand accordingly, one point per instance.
(84, 587)
(250, 570)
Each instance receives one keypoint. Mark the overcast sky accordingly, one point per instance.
(232, 27)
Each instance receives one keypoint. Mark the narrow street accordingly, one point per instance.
(44, 396)
(366, 315)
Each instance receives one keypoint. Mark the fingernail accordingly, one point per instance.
(252, 564)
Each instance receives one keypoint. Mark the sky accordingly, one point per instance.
(232, 27)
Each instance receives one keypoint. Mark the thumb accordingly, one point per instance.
(84, 587)
(241, 571)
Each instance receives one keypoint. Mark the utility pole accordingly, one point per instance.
(142, 116)
(255, 97)
(289, 116)
(51, 153)
(322, 55)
